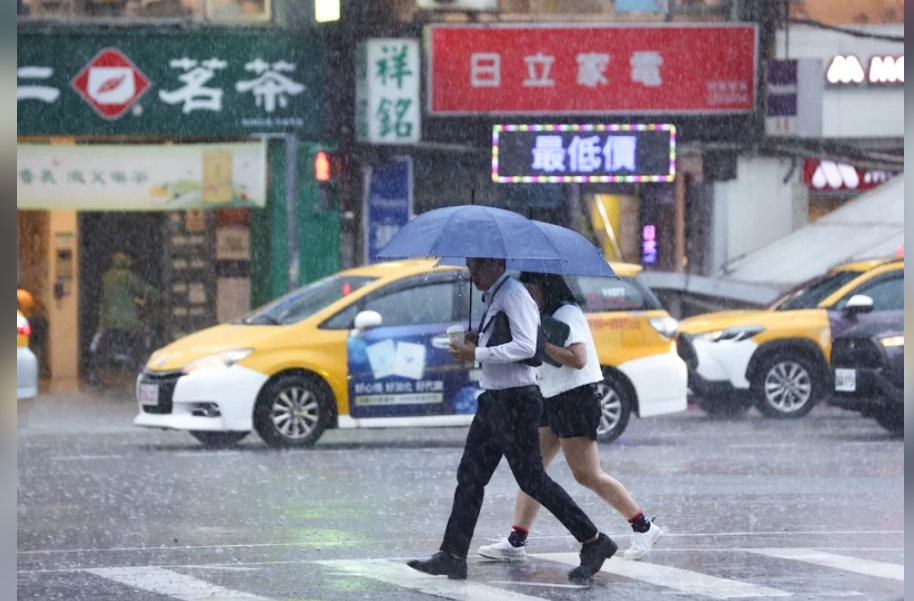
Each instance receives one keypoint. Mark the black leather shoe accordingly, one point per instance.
(593, 556)
(442, 564)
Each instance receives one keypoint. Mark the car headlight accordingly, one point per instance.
(218, 361)
(733, 334)
(665, 326)
(892, 341)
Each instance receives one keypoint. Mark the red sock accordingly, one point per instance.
(518, 537)
(639, 523)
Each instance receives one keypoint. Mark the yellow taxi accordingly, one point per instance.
(367, 348)
(26, 362)
(778, 359)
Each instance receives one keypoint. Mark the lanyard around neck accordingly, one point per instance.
(482, 321)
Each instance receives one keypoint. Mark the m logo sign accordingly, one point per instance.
(828, 176)
(849, 70)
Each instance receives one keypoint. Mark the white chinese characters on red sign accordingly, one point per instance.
(575, 70)
(111, 84)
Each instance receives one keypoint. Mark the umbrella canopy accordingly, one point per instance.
(580, 257)
(471, 231)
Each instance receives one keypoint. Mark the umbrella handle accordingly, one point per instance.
(470, 321)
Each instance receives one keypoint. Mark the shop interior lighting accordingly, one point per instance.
(326, 11)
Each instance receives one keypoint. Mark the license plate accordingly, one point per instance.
(148, 394)
(845, 380)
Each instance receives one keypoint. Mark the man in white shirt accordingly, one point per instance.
(507, 425)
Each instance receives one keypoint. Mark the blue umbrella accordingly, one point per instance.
(472, 231)
(580, 256)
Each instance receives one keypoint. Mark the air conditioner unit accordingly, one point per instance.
(458, 5)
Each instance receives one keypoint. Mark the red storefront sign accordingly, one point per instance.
(550, 70)
(828, 176)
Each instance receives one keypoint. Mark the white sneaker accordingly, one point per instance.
(643, 544)
(504, 551)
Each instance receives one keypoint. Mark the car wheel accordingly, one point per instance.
(219, 440)
(892, 422)
(785, 387)
(293, 412)
(724, 407)
(615, 408)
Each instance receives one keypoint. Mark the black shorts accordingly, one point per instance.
(573, 414)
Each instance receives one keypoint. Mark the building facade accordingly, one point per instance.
(853, 140)
(591, 77)
(183, 134)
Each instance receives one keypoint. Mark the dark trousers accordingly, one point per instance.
(507, 424)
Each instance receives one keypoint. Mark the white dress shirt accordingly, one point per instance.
(558, 380)
(500, 364)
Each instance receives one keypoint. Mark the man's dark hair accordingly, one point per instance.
(555, 289)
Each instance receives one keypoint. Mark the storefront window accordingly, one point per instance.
(587, 10)
(212, 10)
(858, 12)
(238, 10)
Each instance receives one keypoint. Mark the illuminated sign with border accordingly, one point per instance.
(578, 154)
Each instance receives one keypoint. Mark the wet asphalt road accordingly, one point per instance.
(754, 509)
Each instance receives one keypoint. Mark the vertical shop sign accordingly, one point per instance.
(649, 247)
(388, 203)
(387, 94)
(795, 97)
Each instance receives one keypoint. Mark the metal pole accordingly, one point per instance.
(292, 211)
(573, 207)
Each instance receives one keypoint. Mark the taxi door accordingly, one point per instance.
(403, 369)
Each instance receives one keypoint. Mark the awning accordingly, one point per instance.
(871, 226)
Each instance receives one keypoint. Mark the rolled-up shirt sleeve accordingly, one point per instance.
(524, 316)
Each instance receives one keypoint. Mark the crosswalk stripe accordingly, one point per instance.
(683, 581)
(403, 576)
(172, 584)
(891, 571)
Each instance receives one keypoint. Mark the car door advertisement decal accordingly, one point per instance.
(408, 372)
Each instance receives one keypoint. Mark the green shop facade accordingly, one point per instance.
(193, 151)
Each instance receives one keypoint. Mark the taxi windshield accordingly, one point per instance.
(813, 292)
(305, 302)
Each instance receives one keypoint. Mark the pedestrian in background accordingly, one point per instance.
(506, 425)
(571, 417)
(31, 309)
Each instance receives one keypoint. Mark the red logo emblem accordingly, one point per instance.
(111, 84)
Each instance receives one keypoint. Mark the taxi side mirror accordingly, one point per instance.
(858, 305)
(365, 321)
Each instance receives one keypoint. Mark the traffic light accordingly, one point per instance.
(326, 176)
(323, 167)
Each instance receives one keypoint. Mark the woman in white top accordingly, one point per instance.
(571, 416)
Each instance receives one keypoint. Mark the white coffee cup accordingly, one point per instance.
(456, 334)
